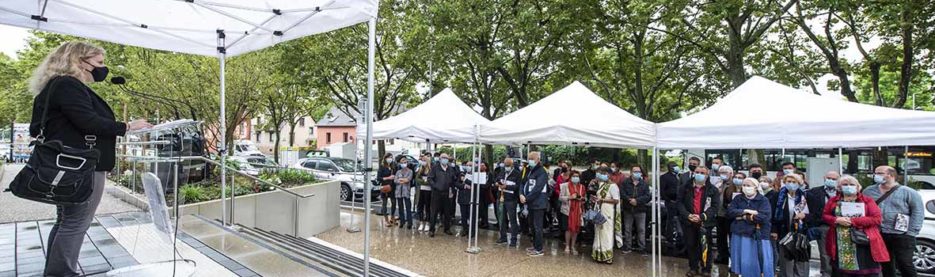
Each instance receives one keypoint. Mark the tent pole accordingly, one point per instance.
(841, 160)
(222, 137)
(655, 212)
(906, 166)
(371, 42)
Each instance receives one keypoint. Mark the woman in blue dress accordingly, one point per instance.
(751, 252)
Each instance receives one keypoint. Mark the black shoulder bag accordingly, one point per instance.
(55, 173)
(859, 237)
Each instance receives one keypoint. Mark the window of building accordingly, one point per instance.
(345, 136)
(302, 122)
(270, 137)
(328, 138)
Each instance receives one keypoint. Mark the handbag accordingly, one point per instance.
(55, 173)
(594, 216)
(859, 237)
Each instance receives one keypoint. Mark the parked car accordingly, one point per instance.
(924, 258)
(329, 168)
(253, 165)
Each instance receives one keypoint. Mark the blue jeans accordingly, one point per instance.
(537, 218)
(405, 210)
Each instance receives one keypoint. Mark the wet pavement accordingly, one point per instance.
(445, 255)
(18, 209)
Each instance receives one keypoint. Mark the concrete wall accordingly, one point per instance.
(274, 210)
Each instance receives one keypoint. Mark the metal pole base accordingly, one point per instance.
(473, 250)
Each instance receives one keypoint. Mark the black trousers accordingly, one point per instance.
(695, 249)
(901, 248)
(467, 219)
(723, 232)
(424, 205)
(440, 208)
(509, 224)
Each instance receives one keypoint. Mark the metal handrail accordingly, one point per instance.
(155, 142)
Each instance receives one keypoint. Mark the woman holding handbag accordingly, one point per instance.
(751, 253)
(790, 210)
(387, 177)
(608, 195)
(65, 109)
(854, 242)
(572, 196)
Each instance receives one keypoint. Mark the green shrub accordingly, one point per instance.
(288, 177)
(194, 194)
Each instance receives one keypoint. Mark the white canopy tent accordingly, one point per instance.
(573, 115)
(444, 118)
(764, 114)
(210, 28)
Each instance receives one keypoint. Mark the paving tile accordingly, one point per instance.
(244, 272)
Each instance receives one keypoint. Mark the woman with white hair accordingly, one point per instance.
(854, 242)
(751, 253)
(67, 110)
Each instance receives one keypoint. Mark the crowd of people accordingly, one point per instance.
(759, 226)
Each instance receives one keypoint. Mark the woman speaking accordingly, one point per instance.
(73, 112)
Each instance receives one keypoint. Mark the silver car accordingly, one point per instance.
(329, 168)
(924, 258)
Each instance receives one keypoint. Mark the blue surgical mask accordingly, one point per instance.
(791, 186)
(738, 182)
(849, 190)
(788, 171)
(699, 177)
(830, 183)
(638, 175)
(443, 161)
(575, 180)
(715, 167)
(401, 166)
(532, 163)
(389, 160)
(715, 178)
(879, 179)
(602, 177)
(676, 169)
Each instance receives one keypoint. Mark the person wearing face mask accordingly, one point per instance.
(605, 201)
(72, 111)
(791, 209)
(589, 174)
(535, 196)
(616, 175)
(756, 171)
(442, 178)
(790, 168)
(508, 184)
(466, 193)
(698, 205)
(716, 164)
(685, 179)
(772, 194)
(572, 196)
(634, 197)
(751, 253)
(403, 181)
(424, 197)
(724, 176)
(817, 197)
(386, 175)
(848, 257)
(669, 189)
(903, 215)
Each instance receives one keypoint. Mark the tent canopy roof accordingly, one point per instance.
(443, 118)
(188, 26)
(764, 114)
(573, 115)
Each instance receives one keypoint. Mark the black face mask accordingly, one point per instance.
(756, 175)
(692, 168)
(98, 73)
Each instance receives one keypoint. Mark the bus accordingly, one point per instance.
(918, 161)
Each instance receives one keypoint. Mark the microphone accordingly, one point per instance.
(121, 81)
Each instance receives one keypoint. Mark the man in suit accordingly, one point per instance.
(535, 196)
(686, 177)
(669, 188)
(442, 178)
(508, 183)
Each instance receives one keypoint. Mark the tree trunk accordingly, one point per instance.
(905, 72)
(875, 82)
(852, 157)
(735, 63)
(276, 146)
(381, 150)
(292, 134)
(488, 156)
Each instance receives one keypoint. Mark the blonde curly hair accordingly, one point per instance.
(63, 61)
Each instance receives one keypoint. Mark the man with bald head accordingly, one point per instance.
(442, 178)
(508, 182)
(816, 198)
(902, 219)
(535, 196)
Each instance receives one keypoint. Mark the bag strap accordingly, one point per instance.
(90, 140)
(887, 194)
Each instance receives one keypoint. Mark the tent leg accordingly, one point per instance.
(841, 160)
(371, 41)
(222, 142)
(906, 166)
(655, 214)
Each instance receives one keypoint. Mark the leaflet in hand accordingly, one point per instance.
(850, 209)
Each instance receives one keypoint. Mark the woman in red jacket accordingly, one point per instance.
(848, 212)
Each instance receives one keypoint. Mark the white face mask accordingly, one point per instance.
(749, 191)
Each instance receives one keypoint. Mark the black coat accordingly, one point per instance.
(710, 200)
(669, 186)
(587, 176)
(441, 179)
(512, 191)
(816, 198)
(75, 111)
(639, 191)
